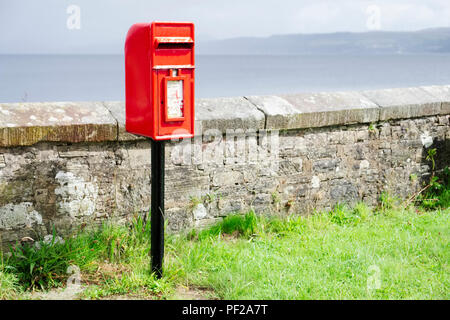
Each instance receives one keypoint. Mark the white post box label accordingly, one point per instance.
(174, 99)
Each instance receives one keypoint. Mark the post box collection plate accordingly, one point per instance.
(174, 98)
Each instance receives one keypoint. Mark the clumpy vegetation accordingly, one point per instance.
(437, 193)
(116, 257)
(357, 252)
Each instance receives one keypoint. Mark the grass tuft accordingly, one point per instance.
(438, 193)
(235, 224)
(9, 284)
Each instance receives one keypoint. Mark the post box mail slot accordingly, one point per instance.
(159, 80)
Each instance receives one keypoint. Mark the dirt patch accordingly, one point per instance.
(193, 293)
(234, 236)
(104, 271)
(107, 271)
(69, 293)
(129, 297)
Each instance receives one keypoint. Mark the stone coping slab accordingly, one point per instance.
(24, 124)
(117, 109)
(227, 114)
(402, 103)
(27, 123)
(443, 95)
(310, 110)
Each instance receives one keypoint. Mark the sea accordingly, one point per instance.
(35, 78)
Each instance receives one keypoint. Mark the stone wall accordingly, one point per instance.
(69, 165)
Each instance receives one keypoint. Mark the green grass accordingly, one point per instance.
(328, 255)
(9, 285)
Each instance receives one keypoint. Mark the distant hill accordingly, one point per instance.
(374, 42)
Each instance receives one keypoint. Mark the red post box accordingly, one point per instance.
(159, 80)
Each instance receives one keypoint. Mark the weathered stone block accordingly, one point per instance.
(311, 110)
(21, 215)
(117, 110)
(404, 103)
(24, 124)
(442, 93)
(224, 114)
(325, 165)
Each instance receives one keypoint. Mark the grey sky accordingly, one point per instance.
(31, 26)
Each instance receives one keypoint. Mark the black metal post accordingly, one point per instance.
(157, 207)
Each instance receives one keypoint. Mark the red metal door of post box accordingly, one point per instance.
(175, 96)
(173, 69)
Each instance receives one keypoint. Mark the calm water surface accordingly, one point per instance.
(101, 77)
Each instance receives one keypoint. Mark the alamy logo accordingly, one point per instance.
(373, 21)
(237, 146)
(74, 280)
(74, 19)
(374, 279)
